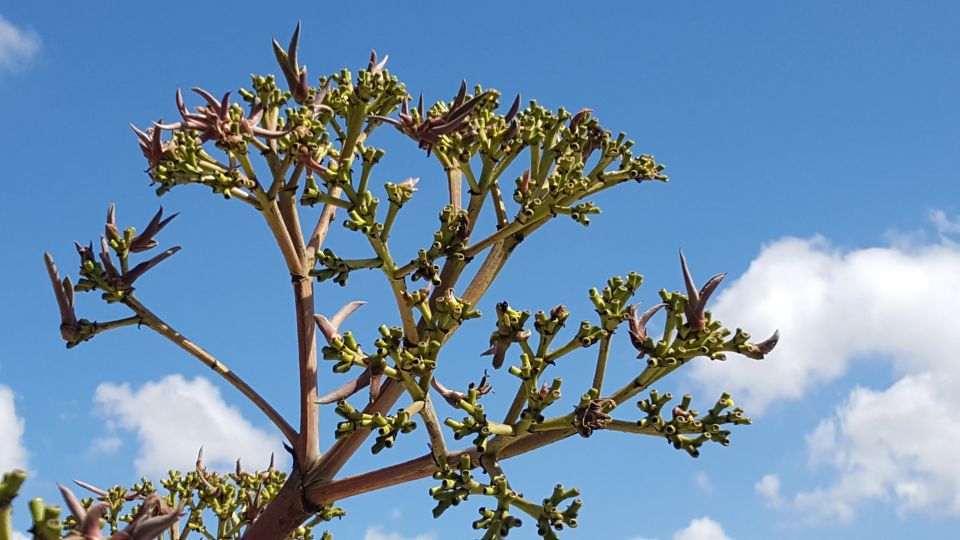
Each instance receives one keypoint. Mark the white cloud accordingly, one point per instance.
(893, 304)
(897, 444)
(17, 535)
(945, 226)
(174, 417)
(376, 532)
(108, 444)
(13, 455)
(833, 308)
(17, 46)
(702, 529)
(769, 488)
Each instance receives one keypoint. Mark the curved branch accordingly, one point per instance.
(159, 326)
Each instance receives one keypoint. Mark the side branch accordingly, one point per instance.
(415, 469)
(162, 328)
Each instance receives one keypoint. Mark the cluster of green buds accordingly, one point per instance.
(116, 280)
(410, 359)
(345, 350)
(552, 518)
(362, 215)
(539, 396)
(307, 138)
(690, 330)
(182, 161)
(498, 521)
(266, 92)
(451, 311)
(476, 421)
(387, 426)
(47, 524)
(400, 194)
(458, 484)
(740, 343)
(498, 136)
(449, 241)
(339, 269)
(548, 325)
(612, 304)
(509, 331)
(462, 144)
(684, 431)
(379, 91)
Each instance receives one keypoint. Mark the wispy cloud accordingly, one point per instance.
(891, 304)
(174, 417)
(18, 46)
(703, 482)
(13, 455)
(376, 532)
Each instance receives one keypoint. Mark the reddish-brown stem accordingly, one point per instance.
(421, 467)
(309, 448)
(341, 451)
(323, 226)
(284, 513)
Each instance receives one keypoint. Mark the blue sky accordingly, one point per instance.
(812, 154)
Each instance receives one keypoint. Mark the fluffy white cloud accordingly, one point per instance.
(893, 304)
(12, 453)
(17, 46)
(376, 532)
(174, 417)
(702, 529)
(897, 444)
(833, 308)
(17, 535)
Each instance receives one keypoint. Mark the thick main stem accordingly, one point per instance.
(309, 449)
(283, 515)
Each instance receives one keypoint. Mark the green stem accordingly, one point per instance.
(388, 222)
(550, 424)
(335, 201)
(9, 489)
(601, 362)
(516, 407)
